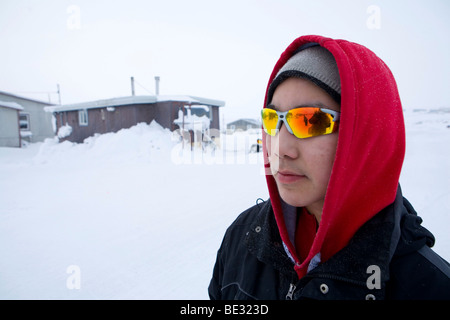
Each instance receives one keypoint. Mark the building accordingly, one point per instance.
(9, 124)
(110, 115)
(243, 125)
(26, 115)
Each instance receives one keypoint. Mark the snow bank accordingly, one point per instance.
(118, 208)
(142, 142)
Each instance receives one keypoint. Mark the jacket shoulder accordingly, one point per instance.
(416, 271)
(248, 216)
(237, 230)
(231, 253)
(419, 275)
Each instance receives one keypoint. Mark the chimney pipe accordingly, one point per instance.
(59, 93)
(157, 85)
(132, 86)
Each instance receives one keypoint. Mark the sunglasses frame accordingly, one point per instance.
(282, 119)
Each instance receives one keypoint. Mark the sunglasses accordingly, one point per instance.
(304, 122)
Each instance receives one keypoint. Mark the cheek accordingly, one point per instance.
(320, 159)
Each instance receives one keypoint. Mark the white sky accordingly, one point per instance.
(215, 49)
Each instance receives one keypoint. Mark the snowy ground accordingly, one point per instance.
(125, 216)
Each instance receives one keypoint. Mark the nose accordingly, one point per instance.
(284, 144)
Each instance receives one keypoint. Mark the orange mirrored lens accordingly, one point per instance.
(309, 122)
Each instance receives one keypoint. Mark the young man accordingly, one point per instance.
(336, 225)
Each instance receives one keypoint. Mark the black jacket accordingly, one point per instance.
(388, 258)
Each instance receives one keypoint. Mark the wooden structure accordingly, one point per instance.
(111, 115)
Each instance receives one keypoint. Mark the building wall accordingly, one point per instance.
(166, 112)
(9, 127)
(40, 121)
(103, 120)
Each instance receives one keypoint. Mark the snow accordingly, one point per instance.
(12, 105)
(127, 100)
(64, 131)
(26, 134)
(191, 99)
(133, 215)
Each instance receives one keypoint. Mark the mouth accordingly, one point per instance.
(288, 177)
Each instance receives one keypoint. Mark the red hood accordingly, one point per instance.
(370, 150)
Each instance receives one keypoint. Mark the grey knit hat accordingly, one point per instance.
(314, 63)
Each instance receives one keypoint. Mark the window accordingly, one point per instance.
(83, 117)
(24, 121)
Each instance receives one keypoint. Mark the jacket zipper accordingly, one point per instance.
(290, 291)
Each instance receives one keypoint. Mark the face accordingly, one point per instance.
(302, 167)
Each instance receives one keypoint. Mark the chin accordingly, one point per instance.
(295, 198)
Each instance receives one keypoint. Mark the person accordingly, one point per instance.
(336, 225)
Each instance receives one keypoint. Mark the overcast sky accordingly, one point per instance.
(215, 49)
